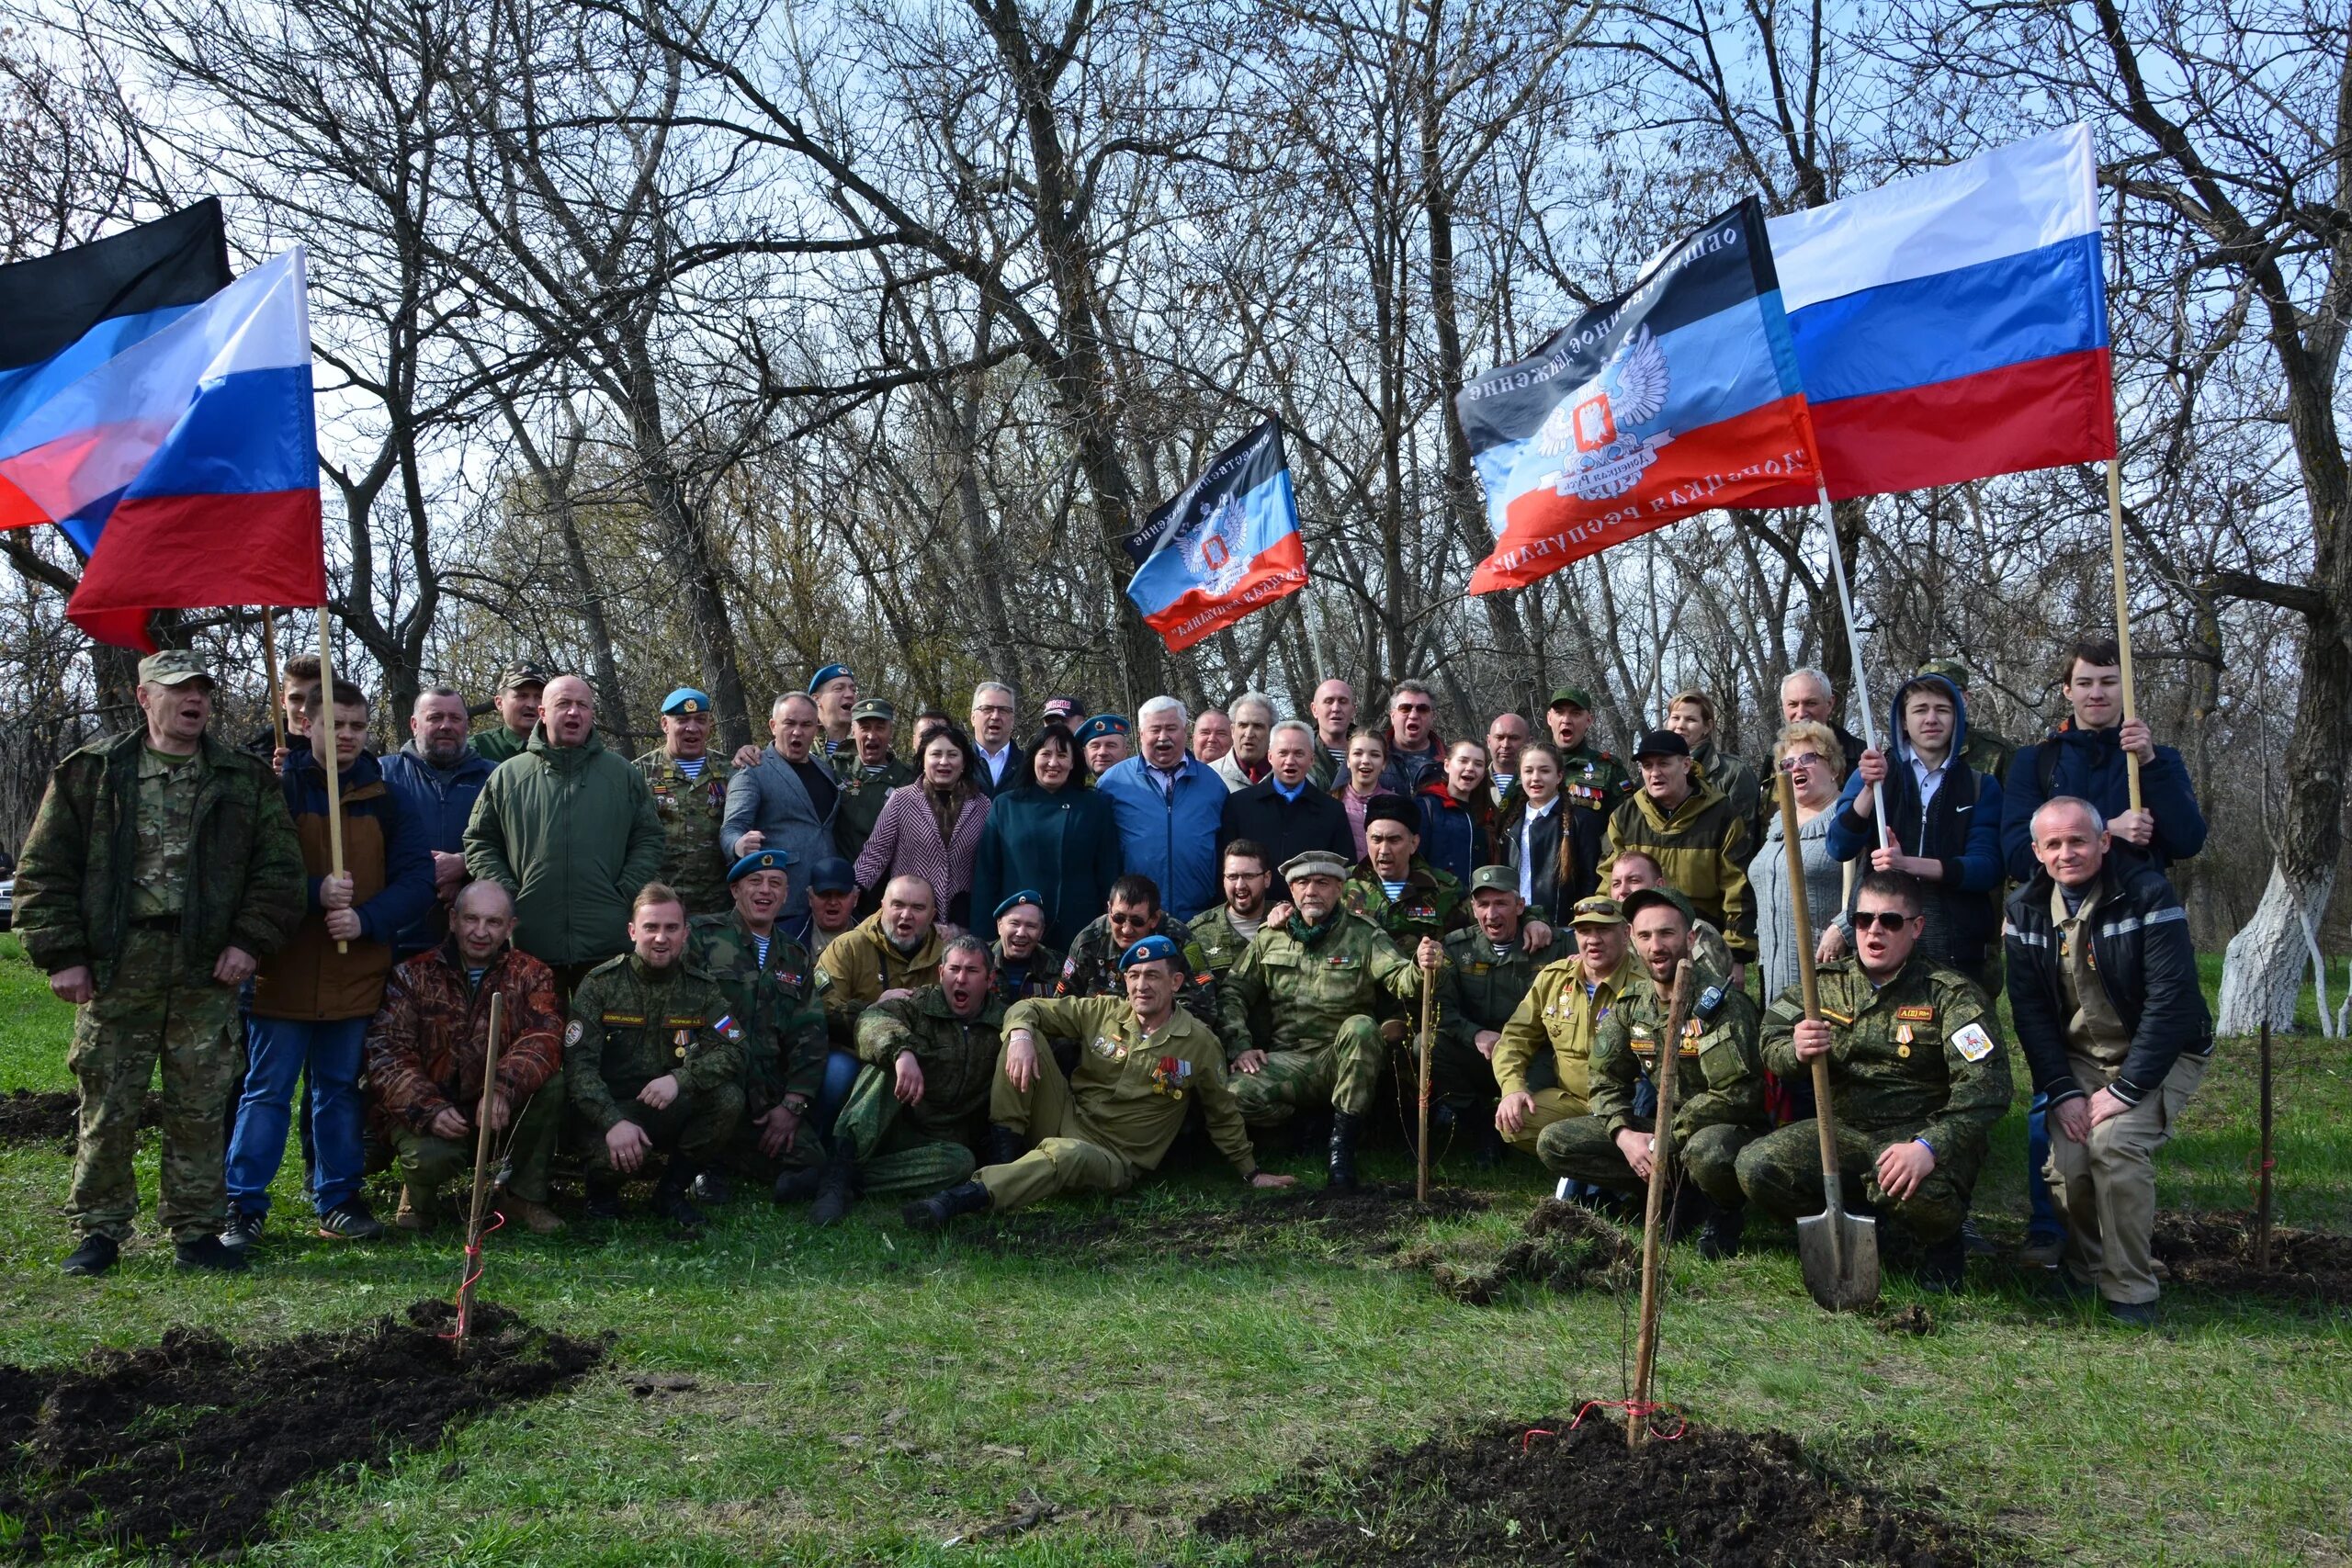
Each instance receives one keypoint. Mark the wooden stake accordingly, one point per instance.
(471, 1270)
(2122, 613)
(1654, 1221)
(269, 667)
(327, 763)
(1429, 1015)
(2262, 1193)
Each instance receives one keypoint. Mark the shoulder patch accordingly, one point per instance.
(573, 1031)
(1971, 1042)
(824, 979)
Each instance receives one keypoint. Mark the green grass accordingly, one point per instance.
(864, 1394)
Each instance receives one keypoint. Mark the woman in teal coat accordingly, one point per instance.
(1053, 834)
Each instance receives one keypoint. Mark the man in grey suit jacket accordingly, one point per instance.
(785, 801)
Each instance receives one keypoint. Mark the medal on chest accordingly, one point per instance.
(1170, 1075)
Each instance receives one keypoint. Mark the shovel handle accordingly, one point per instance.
(1809, 985)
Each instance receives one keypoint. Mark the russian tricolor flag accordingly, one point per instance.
(1952, 326)
(173, 439)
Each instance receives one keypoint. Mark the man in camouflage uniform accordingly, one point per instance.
(1133, 913)
(1718, 1082)
(1917, 1076)
(1246, 875)
(654, 1060)
(920, 1105)
(1297, 1010)
(1097, 1129)
(868, 772)
(1427, 903)
(1488, 969)
(689, 786)
(770, 990)
(1025, 967)
(161, 868)
(1558, 1018)
(1590, 778)
(1634, 870)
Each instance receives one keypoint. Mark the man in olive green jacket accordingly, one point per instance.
(569, 829)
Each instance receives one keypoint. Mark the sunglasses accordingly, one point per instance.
(1884, 919)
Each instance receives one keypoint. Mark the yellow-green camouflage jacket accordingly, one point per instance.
(1919, 1056)
(1559, 1015)
(1130, 1087)
(1701, 851)
(957, 1056)
(784, 1027)
(691, 811)
(1285, 994)
(631, 1023)
(1718, 1077)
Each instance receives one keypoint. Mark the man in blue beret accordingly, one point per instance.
(1025, 967)
(835, 690)
(689, 784)
(770, 983)
(1104, 740)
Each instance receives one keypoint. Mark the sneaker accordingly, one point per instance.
(536, 1218)
(93, 1257)
(242, 1230)
(350, 1222)
(2133, 1314)
(209, 1254)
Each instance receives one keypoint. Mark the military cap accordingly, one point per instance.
(173, 667)
(875, 707)
(1392, 809)
(1144, 951)
(1598, 910)
(1314, 862)
(1661, 743)
(515, 677)
(1103, 723)
(1026, 895)
(1493, 879)
(832, 875)
(1649, 897)
(1951, 670)
(684, 702)
(1572, 697)
(830, 672)
(759, 860)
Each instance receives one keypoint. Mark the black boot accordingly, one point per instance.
(669, 1199)
(1686, 1211)
(603, 1200)
(712, 1187)
(1490, 1138)
(93, 1257)
(1314, 1134)
(1943, 1265)
(205, 1254)
(1721, 1238)
(1004, 1144)
(799, 1186)
(1344, 1127)
(836, 1188)
(933, 1212)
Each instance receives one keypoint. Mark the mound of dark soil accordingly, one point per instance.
(185, 1447)
(1364, 1222)
(1562, 1247)
(27, 1116)
(2215, 1252)
(1500, 1496)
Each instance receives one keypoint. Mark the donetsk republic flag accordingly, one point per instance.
(1226, 546)
(1677, 397)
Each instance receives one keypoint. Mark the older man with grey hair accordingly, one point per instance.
(785, 801)
(1003, 763)
(1807, 695)
(1169, 806)
(1253, 721)
(1284, 812)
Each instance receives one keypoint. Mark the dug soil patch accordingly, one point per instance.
(2215, 1252)
(1367, 1223)
(185, 1447)
(27, 1116)
(1498, 1495)
(1562, 1247)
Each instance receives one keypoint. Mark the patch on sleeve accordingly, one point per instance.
(573, 1031)
(824, 980)
(1971, 1042)
(1783, 1008)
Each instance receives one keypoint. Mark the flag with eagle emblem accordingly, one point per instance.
(1227, 545)
(1681, 395)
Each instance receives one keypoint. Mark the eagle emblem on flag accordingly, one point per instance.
(1592, 427)
(1212, 546)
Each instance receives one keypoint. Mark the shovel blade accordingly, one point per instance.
(1854, 1245)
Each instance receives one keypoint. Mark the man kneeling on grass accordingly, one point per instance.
(426, 1051)
(1096, 1129)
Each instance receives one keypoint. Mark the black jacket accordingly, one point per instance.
(1286, 828)
(1564, 873)
(2140, 943)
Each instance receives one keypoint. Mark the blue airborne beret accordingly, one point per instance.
(685, 700)
(1026, 895)
(759, 860)
(1100, 724)
(830, 672)
(1147, 950)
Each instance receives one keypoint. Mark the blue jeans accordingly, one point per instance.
(280, 1050)
(841, 1072)
(2044, 1224)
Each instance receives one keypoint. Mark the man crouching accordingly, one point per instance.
(1094, 1129)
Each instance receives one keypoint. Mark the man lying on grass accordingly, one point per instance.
(1094, 1129)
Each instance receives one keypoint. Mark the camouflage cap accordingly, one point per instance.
(173, 667)
(1572, 697)
(1598, 910)
(1951, 670)
(516, 676)
(1495, 879)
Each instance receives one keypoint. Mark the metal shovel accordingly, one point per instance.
(1837, 1250)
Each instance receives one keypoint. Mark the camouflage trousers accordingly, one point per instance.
(1582, 1148)
(896, 1154)
(426, 1161)
(746, 1159)
(693, 1128)
(1066, 1155)
(119, 1035)
(1780, 1173)
(1344, 1075)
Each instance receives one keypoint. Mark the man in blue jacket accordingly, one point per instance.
(2103, 988)
(1169, 806)
(2084, 757)
(439, 776)
(1943, 822)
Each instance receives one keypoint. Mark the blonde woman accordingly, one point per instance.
(1810, 754)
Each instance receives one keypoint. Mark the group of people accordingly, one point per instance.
(998, 969)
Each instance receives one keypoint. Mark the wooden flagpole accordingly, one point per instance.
(2122, 613)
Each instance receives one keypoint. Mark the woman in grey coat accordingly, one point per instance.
(1816, 764)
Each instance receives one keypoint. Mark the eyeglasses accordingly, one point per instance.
(1415, 707)
(1884, 919)
(1800, 760)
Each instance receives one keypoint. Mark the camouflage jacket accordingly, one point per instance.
(242, 887)
(1432, 903)
(1477, 990)
(1212, 931)
(784, 1026)
(1718, 1077)
(1920, 1056)
(1285, 994)
(691, 811)
(1037, 976)
(957, 1057)
(427, 1043)
(863, 789)
(1093, 968)
(630, 1024)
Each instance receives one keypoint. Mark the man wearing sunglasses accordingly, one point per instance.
(1918, 1076)
(1416, 754)
(1133, 913)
